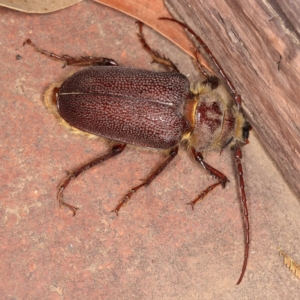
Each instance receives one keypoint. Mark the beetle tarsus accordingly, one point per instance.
(203, 194)
(115, 150)
(62, 203)
(126, 198)
(161, 59)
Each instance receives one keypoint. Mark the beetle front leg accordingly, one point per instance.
(75, 61)
(199, 158)
(116, 149)
(173, 152)
(161, 59)
(222, 178)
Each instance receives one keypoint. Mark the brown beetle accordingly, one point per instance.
(158, 110)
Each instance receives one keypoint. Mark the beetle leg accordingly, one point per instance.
(199, 158)
(199, 66)
(203, 194)
(88, 61)
(222, 178)
(116, 149)
(74, 61)
(211, 80)
(173, 152)
(161, 59)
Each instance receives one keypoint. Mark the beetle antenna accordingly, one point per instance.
(238, 158)
(238, 152)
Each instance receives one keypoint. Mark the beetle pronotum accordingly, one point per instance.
(157, 110)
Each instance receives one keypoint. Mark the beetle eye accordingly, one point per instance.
(212, 81)
(246, 128)
(227, 143)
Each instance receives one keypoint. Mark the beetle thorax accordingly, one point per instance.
(215, 119)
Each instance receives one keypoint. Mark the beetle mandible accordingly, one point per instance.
(158, 110)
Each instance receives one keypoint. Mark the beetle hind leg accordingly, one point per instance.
(116, 149)
(173, 152)
(74, 61)
(161, 59)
